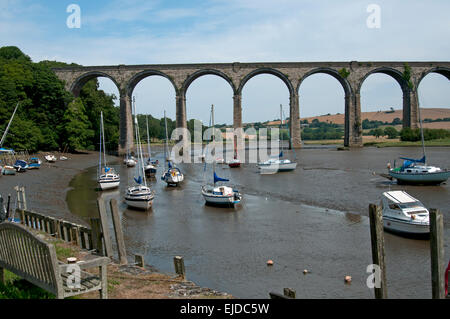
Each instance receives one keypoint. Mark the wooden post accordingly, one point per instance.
(105, 228)
(7, 206)
(179, 266)
(377, 240)
(288, 292)
(139, 260)
(118, 232)
(24, 200)
(96, 235)
(437, 253)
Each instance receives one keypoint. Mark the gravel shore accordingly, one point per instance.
(46, 187)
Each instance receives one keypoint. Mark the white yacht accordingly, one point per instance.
(107, 177)
(221, 195)
(404, 213)
(139, 195)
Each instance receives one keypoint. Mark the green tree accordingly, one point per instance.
(391, 132)
(75, 127)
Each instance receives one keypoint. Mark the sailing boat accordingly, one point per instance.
(4, 150)
(235, 162)
(139, 195)
(221, 195)
(107, 178)
(150, 167)
(276, 164)
(172, 176)
(416, 171)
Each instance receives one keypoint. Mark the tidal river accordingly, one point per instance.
(314, 218)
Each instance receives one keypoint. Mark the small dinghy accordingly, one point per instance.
(50, 158)
(20, 166)
(8, 170)
(35, 163)
(403, 213)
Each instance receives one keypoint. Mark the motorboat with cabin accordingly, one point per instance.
(403, 213)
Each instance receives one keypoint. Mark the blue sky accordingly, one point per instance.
(147, 32)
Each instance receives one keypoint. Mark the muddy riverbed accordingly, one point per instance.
(314, 218)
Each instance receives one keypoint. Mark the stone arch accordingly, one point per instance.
(271, 71)
(395, 74)
(79, 82)
(192, 77)
(345, 84)
(135, 79)
(439, 70)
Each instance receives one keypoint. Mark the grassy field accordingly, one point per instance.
(394, 143)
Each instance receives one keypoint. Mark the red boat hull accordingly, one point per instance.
(234, 164)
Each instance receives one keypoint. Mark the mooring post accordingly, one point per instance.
(139, 260)
(105, 228)
(118, 232)
(7, 206)
(377, 240)
(96, 235)
(178, 262)
(24, 199)
(289, 292)
(437, 253)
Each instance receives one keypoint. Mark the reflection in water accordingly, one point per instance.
(227, 248)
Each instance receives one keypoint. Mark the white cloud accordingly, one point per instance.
(146, 32)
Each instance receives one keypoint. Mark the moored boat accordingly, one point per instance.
(50, 158)
(150, 166)
(34, 163)
(107, 177)
(221, 195)
(8, 170)
(20, 166)
(139, 196)
(417, 172)
(173, 175)
(403, 213)
(276, 164)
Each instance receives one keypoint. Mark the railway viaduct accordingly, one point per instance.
(350, 75)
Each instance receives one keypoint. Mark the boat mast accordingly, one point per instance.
(140, 164)
(103, 138)
(281, 126)
(148, 139)
(9, 124)
(214, 142)
(99, 170)
(166, 146)
(420, 123)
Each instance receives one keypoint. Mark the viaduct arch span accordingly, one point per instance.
(350, 75)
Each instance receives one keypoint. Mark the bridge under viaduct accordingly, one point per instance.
(350, 75)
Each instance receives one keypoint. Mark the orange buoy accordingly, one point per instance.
(270, 262)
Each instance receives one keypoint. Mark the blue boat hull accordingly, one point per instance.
(420, 178)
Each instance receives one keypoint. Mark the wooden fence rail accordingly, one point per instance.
(58, 228)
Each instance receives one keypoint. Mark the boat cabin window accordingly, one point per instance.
(394, 206)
